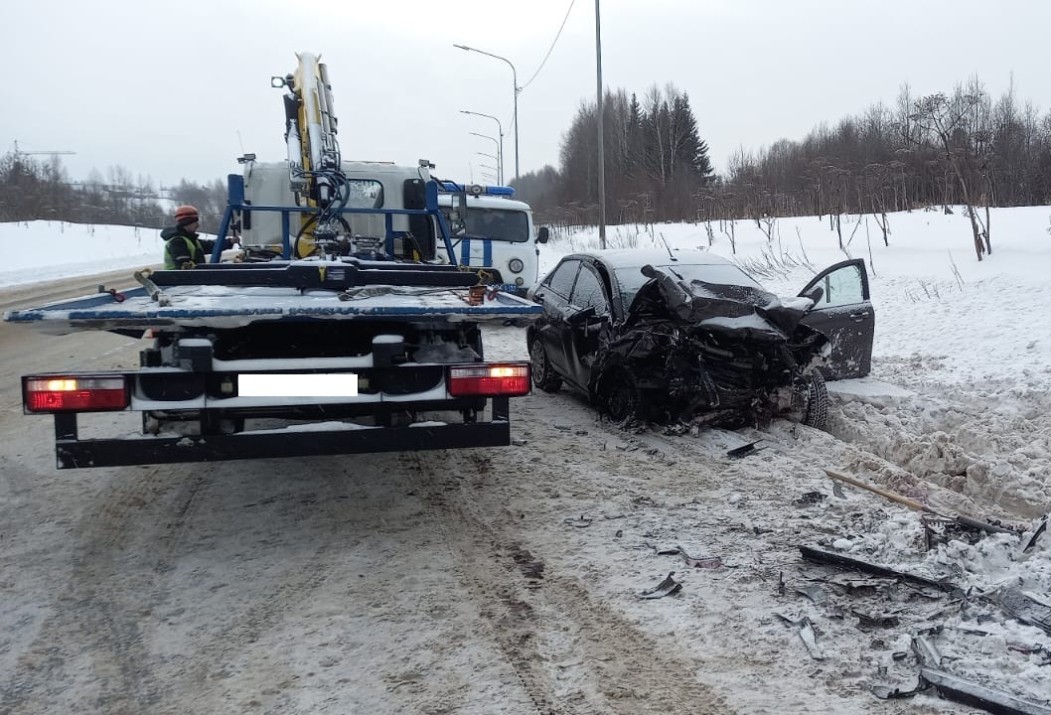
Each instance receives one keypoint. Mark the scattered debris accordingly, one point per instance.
(809, 498)
(868, 620)
(826, 557)
(837, 489)
(1036, 535)
(704, 562)
(580, 522)
(805, 629)
(745, 449)
(665, 588)
(519, 442)
(1024, 608)
(957, 689)
(885, 692)
(815, 593)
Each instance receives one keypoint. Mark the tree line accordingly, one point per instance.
(32, 189)
(943, 149)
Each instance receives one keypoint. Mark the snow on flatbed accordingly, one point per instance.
(237, 306)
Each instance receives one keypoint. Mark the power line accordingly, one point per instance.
(550, 49)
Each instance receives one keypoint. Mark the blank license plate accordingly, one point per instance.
(338, 384)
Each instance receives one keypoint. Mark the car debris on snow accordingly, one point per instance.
(665, 588)
(961, 690)
(805, 629)
(704, 562)
(580, 522)
(745, 449)
(828, 558)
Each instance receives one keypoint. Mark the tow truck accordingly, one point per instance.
(342, 330)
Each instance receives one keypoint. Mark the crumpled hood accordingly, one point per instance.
(734, 309)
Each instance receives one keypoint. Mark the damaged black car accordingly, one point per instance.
(688, 336)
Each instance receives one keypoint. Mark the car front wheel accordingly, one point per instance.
(815, 414)
(544, 376)
(621, 396)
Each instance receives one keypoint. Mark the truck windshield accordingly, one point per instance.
(498, 224)
(364, 194)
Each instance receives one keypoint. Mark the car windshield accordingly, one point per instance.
(631, 279)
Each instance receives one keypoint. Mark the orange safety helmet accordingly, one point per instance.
(186, 214)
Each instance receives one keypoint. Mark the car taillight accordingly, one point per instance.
(74, 393)
(506, 380)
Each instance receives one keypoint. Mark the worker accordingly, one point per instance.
(183, 248)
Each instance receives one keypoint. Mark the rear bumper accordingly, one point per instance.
(73, 454)
(330, 438)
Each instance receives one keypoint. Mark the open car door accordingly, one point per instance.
(844, 314)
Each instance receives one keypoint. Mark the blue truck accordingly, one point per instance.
(343, 328)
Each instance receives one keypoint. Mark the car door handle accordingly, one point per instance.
(859, 316)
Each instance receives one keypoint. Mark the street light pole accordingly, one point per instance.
(601, 155)
(514, 79)
(500, 129)
(499, 163)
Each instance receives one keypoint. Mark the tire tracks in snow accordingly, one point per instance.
(573, 654)
(91, 646)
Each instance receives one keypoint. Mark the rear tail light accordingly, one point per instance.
(504, 380)
(74, 393)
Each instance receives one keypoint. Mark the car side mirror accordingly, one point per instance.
(542, 234)
(816, 294)
(583, 315)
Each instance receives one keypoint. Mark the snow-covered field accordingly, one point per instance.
(956, 414)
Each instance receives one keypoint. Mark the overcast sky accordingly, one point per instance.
(180, 89)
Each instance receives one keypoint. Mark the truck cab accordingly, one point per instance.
(369, 185)
(496, 233)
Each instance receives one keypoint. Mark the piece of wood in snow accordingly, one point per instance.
(827, 557)
(665, 588)
(952, 687)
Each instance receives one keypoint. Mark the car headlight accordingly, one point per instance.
(520, 281)
(516, 265)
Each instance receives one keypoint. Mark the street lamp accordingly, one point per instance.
(500, 128)
(514, 79)
(499, 163)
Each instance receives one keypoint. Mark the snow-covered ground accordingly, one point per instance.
(956, 414)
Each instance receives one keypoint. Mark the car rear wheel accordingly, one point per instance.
(621, 396)
(544, 376)
(815, 414)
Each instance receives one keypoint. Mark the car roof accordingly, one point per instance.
(638, 257)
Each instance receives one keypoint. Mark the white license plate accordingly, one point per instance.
(335, 384)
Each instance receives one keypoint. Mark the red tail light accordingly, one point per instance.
(74, 393)
(505, 380)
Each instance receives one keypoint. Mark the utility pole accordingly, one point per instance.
(601, 142)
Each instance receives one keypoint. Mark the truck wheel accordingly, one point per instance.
(621, 397)
(544, 376)
(815, 414)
